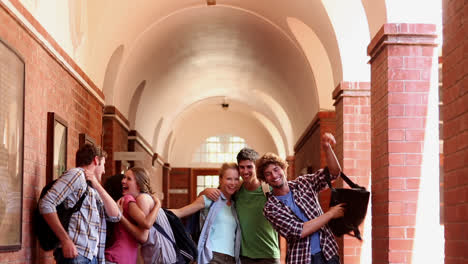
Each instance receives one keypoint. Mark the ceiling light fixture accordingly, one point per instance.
(224, 104)
(210, 2)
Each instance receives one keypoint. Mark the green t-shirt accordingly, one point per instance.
(259, 239)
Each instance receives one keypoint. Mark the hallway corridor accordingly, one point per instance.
(179, 87)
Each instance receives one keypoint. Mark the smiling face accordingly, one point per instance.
(247, 170)
(274, 176)
(129, 184)
(229, 182)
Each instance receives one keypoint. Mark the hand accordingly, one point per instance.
(69, 249)
(91, 177)
(120, 203)
(337, 211)
(156, 200)
(212, 193)
(328, 139)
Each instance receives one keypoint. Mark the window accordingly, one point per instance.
(219, 149)
(207, 181)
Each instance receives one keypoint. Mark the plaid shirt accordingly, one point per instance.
(305, 191)
(87, 228)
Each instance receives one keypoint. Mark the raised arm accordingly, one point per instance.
(110, 206)
(212, 193)
(192, 208)
(328, 141)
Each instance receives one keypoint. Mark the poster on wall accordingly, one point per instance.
(57, 137)
(12, 70)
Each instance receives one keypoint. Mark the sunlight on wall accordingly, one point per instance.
(429, 243)
(318, 59)
(352, 34)
(403, 11)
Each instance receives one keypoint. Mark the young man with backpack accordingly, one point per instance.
(294, 211)
(259, 240)
(85, 239)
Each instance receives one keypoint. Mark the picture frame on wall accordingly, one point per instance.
(57, 138)
(84, 138)
(12, 80)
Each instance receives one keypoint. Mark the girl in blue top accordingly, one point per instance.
(220, 237)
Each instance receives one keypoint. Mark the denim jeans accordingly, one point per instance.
(78, 260)
(320, 259)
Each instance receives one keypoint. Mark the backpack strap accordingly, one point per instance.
(344, 177)
(265, 188)
(161, 230)
(78, 204)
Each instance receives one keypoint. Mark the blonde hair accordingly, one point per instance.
(226, 166)
(142, 179)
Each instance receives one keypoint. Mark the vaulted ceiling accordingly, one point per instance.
(168, 65)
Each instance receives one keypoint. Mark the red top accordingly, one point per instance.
(125, 247)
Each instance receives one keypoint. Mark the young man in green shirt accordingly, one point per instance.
(260, 242)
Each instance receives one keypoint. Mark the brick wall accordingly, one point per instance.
(352, 104)
(401, 61)
(49, 87)
(307, 152)
(455, 130)
(115, 138)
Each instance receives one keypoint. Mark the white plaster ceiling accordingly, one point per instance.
(156, 59)
(279, 59)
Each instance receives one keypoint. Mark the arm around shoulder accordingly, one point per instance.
(145, 211)
(192, 208)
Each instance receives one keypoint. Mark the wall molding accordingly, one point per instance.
(34, 28)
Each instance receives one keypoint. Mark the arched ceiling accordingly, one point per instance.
(279, 60)
(218, 51)
(237, 119)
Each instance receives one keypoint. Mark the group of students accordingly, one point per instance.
(241, 220)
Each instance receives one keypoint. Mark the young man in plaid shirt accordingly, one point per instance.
(294, 210)
(85, 239)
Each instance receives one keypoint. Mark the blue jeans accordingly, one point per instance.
(320, 259)
(78, 260)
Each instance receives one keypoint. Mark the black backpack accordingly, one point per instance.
(184, 246)
(356, 199)
(47, 238)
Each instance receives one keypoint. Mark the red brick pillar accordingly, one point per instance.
(401, 64)
(115, 138)
(455, 130)
(352, 106)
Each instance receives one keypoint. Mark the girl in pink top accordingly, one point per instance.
(140, 209)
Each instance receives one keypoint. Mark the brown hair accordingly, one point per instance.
(247, 154)
(86, 153)
(142, 179)
(267, 159)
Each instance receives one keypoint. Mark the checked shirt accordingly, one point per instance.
(87, 228)
(305, 191)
